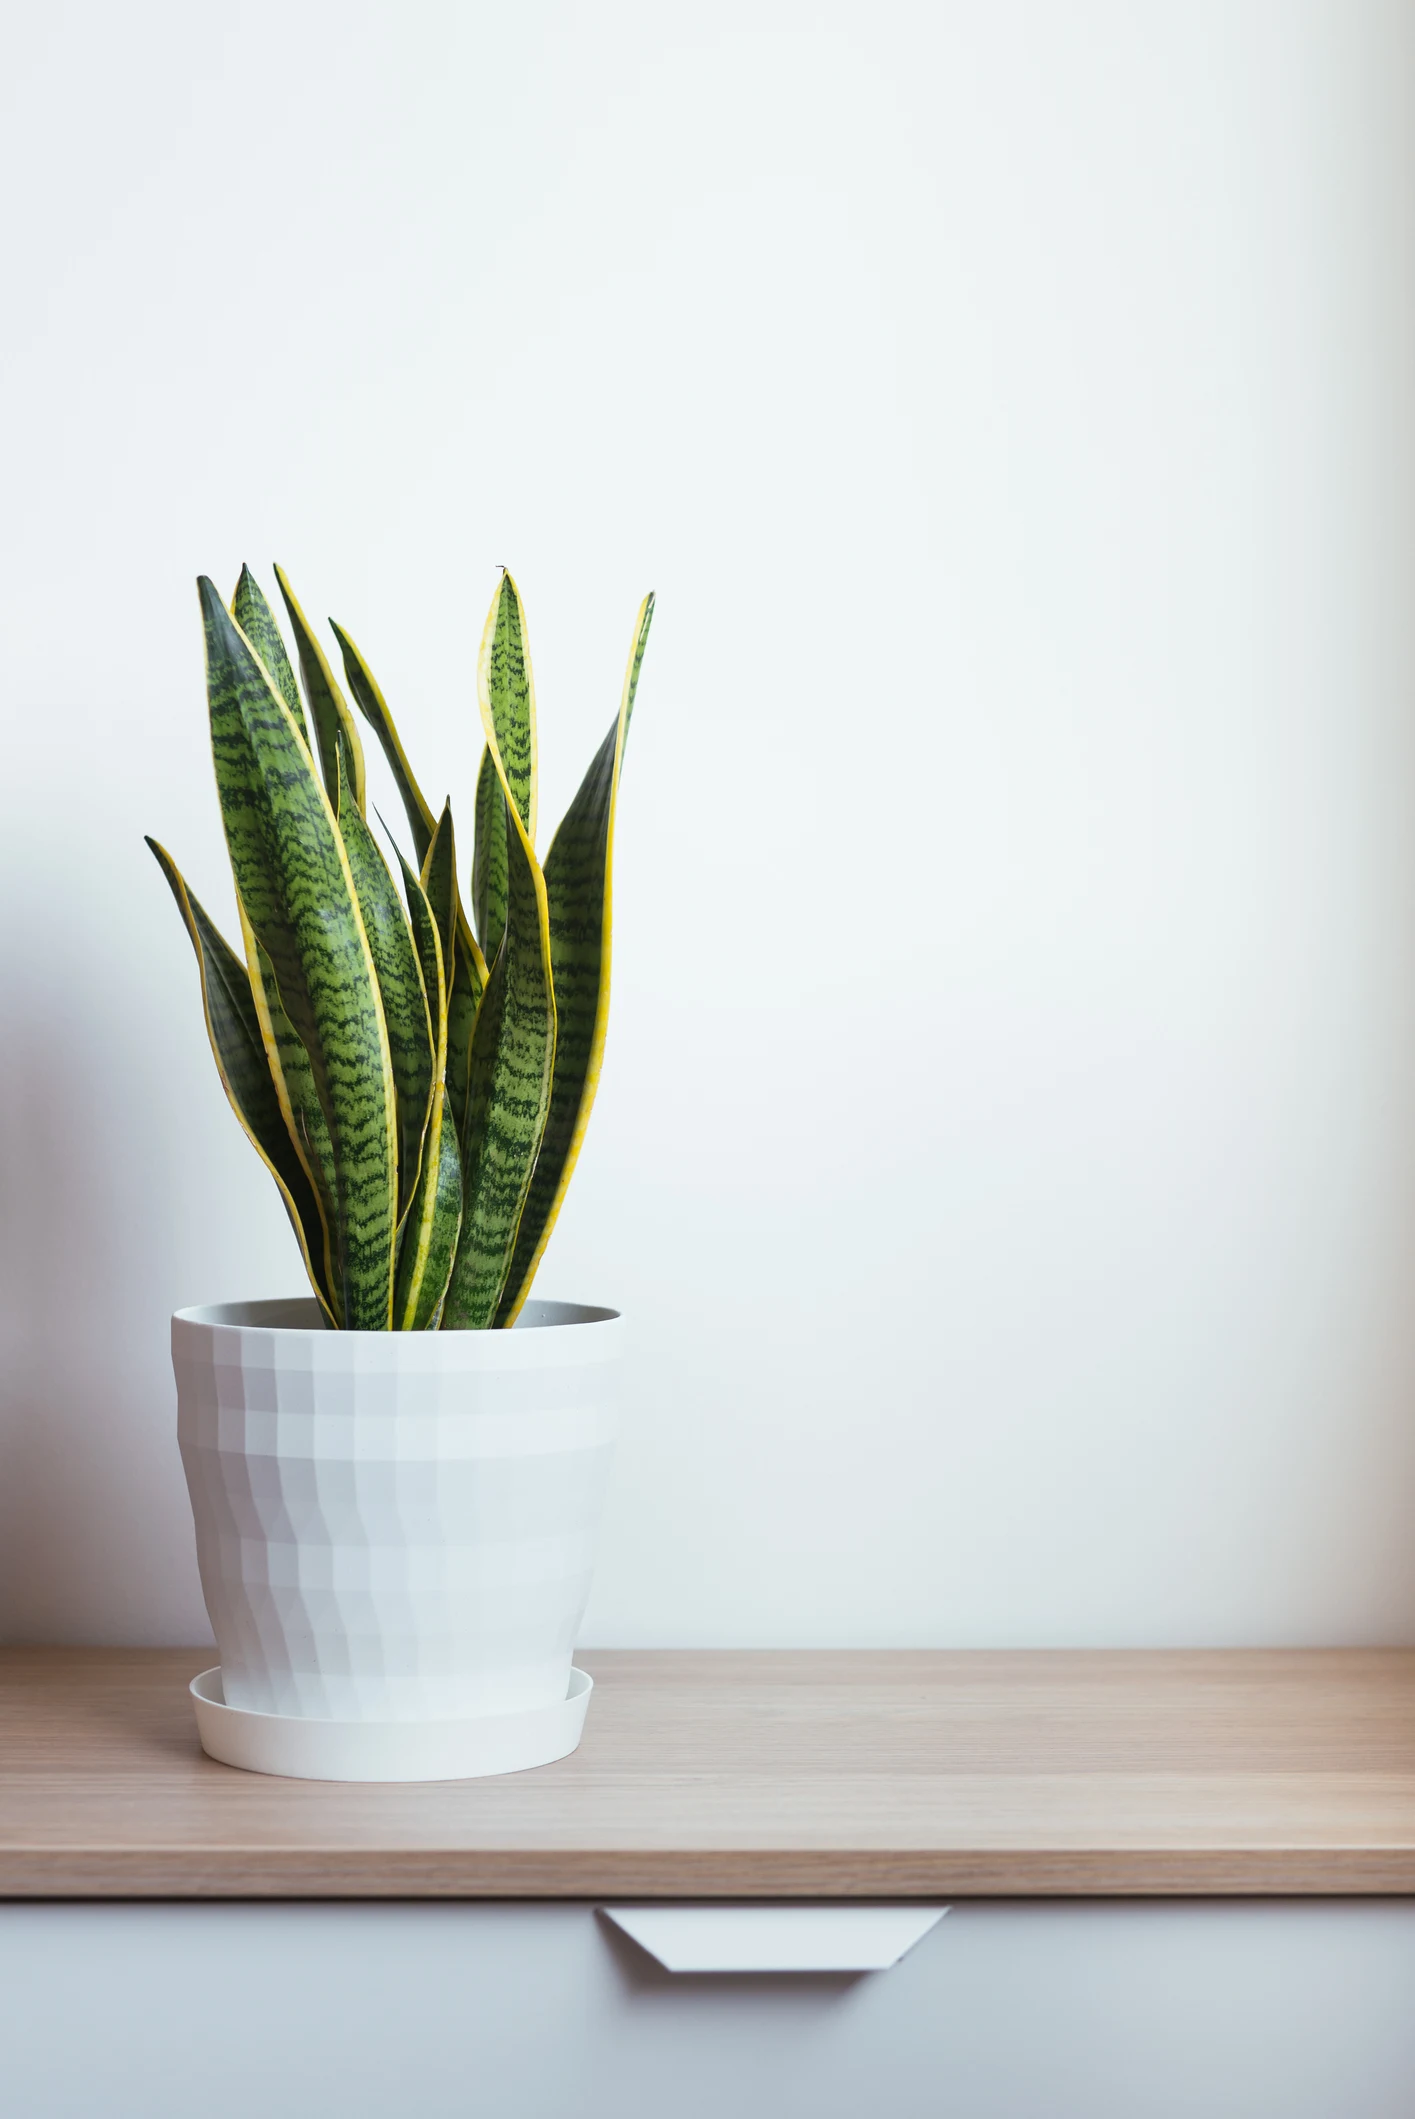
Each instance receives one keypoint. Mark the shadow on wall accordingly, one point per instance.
(89, 1470)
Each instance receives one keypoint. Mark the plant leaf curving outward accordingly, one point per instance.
(294, 881)
(578, 883)
(333, 723)
(420, 1112)
(239, 1052)
(293, 1077)
(374, 708)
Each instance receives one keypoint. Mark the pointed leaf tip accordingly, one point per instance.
(578, 889)
(333, 723)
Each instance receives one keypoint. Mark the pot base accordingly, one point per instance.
(307, 1750)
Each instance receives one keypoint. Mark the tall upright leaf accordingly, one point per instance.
(293, 878)
(239, 1052)
(400, 984)
(463, 1007)
(257, 621)
(333, 723)
(439, 880)
(507, 693)
(512, 1059)
(459, 949)
(429, 1238)
(293, 1077)
(429, 1242)
(578, 883)
(374, 708)
(489, 860)
(427, 940)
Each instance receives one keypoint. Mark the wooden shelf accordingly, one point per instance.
(809, 1775)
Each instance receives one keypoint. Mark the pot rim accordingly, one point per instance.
(222, 1317)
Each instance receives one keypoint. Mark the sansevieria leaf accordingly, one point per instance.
(439, 880)
(293, 1077)
(294, 881)
(257, 621)
(578, 883)
(513, 1052)
(489, 860)
(513, 1055)
(507, 694)
(459, 949)
(469, 981)
(333, 723)
(374, 708)
(429, 1238)
(400, 984)
(429, 1242)
(417, 1072)
(239, 1052)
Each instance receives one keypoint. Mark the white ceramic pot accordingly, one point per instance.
(395, 1527)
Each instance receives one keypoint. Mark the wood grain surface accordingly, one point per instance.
(807, 1775)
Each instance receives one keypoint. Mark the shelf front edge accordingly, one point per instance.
(312, 1872)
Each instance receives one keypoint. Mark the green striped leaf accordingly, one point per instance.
(257, 621)
(429, 1240)
(507, 696)
(439, 880)
(578, 879)
(469, 974)
(430, 1233)
(427, 940)
(489, 860)
(512, 1058)
(463, 1007)
(293, 1077)
(374, 708)
(328, 709)
(400, 985)
(239, 1051)
(293, 878)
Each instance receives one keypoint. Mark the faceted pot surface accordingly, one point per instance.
(395, 1526)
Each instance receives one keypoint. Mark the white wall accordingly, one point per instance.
(1007, 1147)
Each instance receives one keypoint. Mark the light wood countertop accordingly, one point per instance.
(726, 1774)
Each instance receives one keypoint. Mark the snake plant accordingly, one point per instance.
(417, 1079)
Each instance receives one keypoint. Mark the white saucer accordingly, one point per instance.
(308, 1750)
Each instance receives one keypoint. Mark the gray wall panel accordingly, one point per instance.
(1007, 2011)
